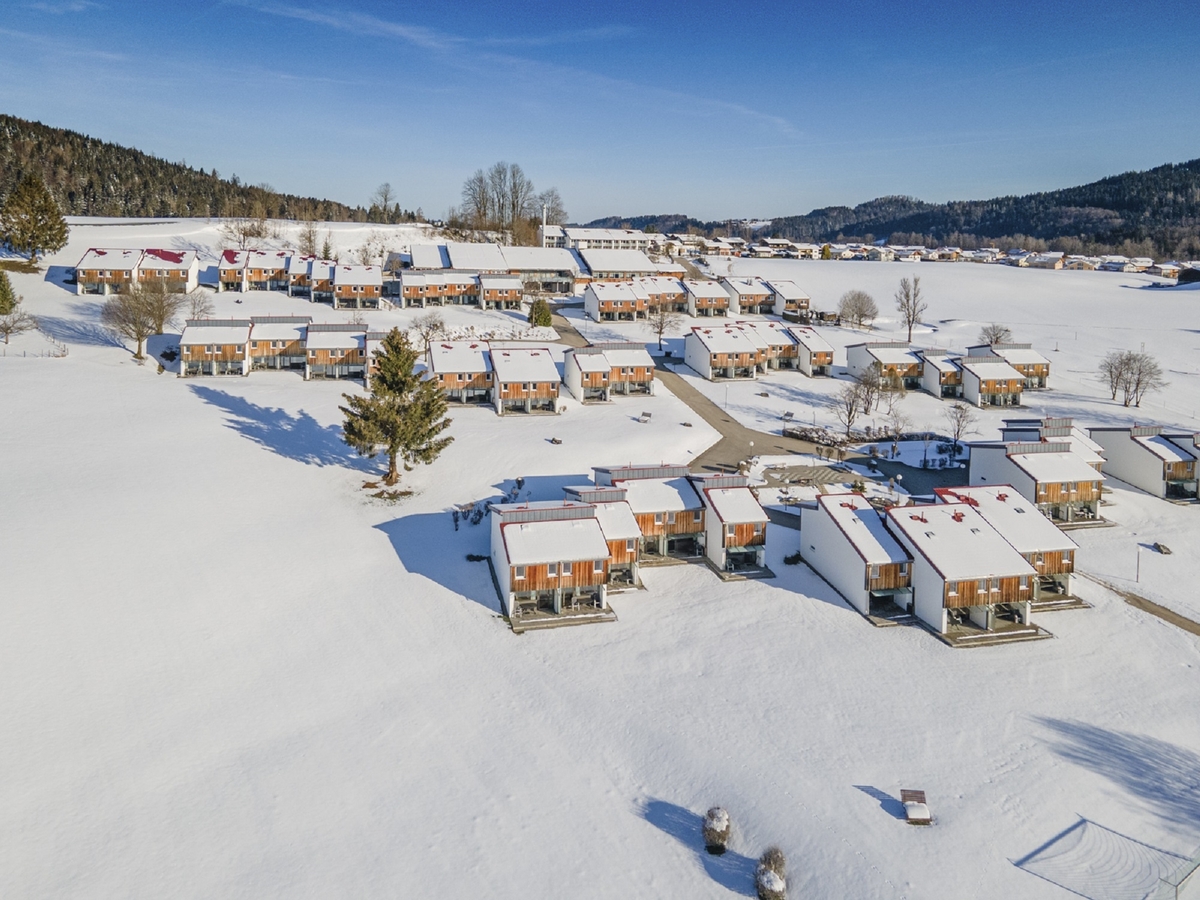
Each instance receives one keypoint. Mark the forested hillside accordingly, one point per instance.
(89, 177)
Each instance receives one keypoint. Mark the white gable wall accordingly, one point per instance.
(991, 465)
(830, 554)
(1128, 460)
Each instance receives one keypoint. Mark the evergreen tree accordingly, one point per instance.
(31, 221)
(8, 299)
(539, 314)
(404, 414)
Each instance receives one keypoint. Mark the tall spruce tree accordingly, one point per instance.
(8, 298)
(404, 415)
(31, 221)
(540, 315)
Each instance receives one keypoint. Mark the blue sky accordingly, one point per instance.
(711, 109)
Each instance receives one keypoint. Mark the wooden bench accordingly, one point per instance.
(916, 811)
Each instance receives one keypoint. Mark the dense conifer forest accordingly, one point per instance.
(89, 177)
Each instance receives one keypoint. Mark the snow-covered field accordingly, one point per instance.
(230, 673)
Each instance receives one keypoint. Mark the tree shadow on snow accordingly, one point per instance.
(428, 545)
(1164, 776)
(299, 437)
(887, 802)
(83, 328)
(732, 870)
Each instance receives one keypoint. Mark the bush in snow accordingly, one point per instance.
(716, 830)
(770, 876)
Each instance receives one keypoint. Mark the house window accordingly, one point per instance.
(519, 573)
(598, 566)
(240, 348)
(758, 528)
(210, 349)
(697, 515)
(629, 545)
(952, 589)
(874, 572)
(903, 570)
(552, 570)
(658, 518)
(671, 518)
(566, 568)
(1024, 582)
(995, 584)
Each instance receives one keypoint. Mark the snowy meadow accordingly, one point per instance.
(232, 672)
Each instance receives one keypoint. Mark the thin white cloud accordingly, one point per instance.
(62, 49)
(359, 23)
(62, 8)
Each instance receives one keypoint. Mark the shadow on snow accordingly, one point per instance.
(732, 870)
(299, 437)
(428, 545)
(83, 328)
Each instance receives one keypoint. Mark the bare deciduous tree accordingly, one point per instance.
(16, 321)
(858, 308)
(199, 305)
(1112, 371)
(897, 423)
(1144, 376)
(126, 315)
(870, 385)
(662, 318)
(556, 213)
(960, 417)
(163, 303)
(995, 334)
(364, 254)
(847, 404)
(429, 327)
(910, 303)
(243, 231)
(308, 239)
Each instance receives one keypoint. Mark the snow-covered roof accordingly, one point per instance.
(532, 364)
(614, 291)
(863, 527)
(652, 495)
(169, 259)
(459, 356)
(300, 265)
(500, 282)
(98, 258)
(215, 331)
(958, 542)
(540, 259)
(318, 338)
(1018, 521)
(989, 369)
(659, 284)
(1023, 356)
(631, 355)
(562, 540)
(266, 259)
(788, 290)
(747, 287)
(361, 275)
(429, 256)
(1053, 468)
(617, 521)
(704, 289)
(233, 259)
(941, 362)
(321, 269)
(893, 356)
(810, 338)
(606, 234)
(589, 362)
(735, 505)
(1164, 449)
(484, 257)
(617, 261)
(775, 334)
(266, 328)
(727, 340)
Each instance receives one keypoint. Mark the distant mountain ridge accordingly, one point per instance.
(1156, 211)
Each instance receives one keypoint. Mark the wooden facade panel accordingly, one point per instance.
(456, 380)
(620, 552)
(277, 348)
(1057, 562)
(516, 390)
(632, 373)
(979, 593)
(538, 578)
(1060, 492)
(1179, 471)
(887, 576)
(335, 357)
(748, 534)
(220, 352)
(1000, 386)
(686, 522)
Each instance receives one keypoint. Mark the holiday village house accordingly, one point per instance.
(1032, 366)
(894, 360)
(1150, 458)
(814, 354)
(1062, 484)
(106, 271)
(724, 352)
(215, 347)
(596, 373)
